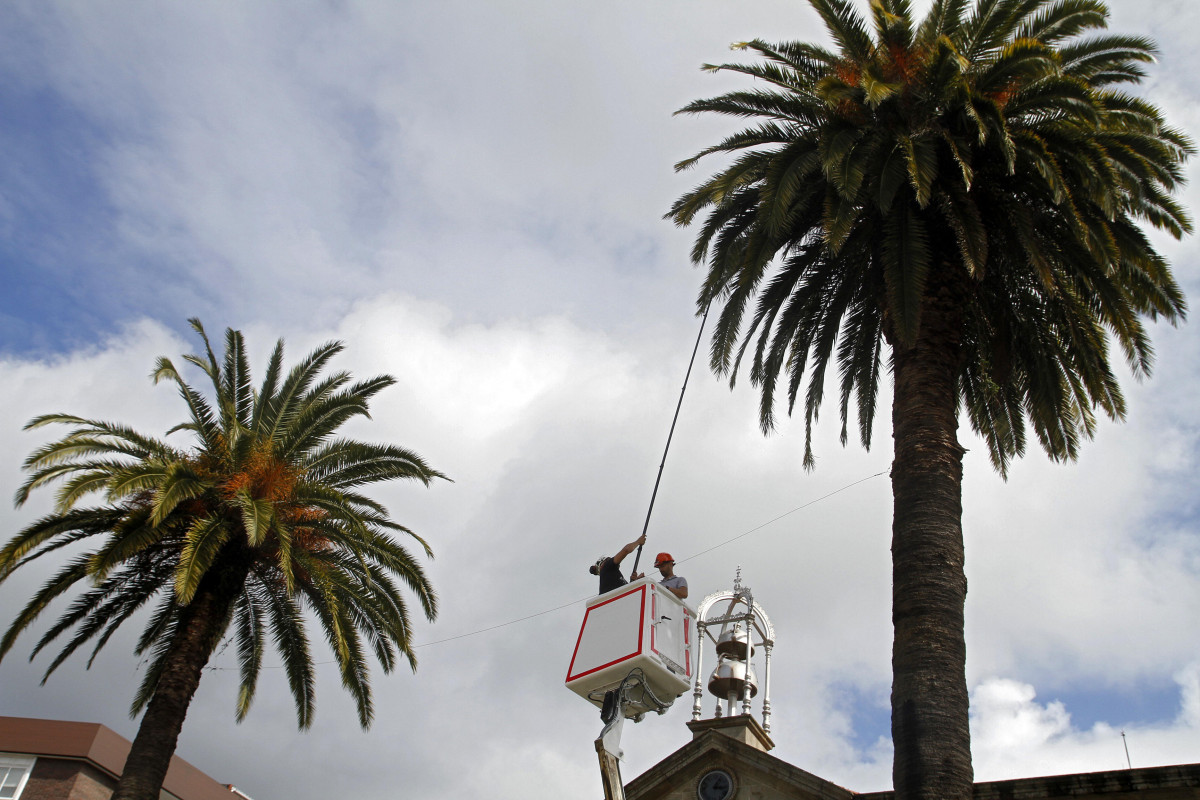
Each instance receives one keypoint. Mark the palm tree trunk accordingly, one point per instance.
(930, 730)
(201, 626)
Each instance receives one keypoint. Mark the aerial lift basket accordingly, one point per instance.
(640, 626)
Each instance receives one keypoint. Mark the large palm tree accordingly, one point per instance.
(960, 200)
(255, 526)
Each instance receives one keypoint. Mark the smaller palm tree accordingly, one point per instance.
(256, 527)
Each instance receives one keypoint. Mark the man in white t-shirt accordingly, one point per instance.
(676, 583)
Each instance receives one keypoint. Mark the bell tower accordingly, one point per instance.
(739, 630)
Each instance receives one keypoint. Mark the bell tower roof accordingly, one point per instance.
(744, 728)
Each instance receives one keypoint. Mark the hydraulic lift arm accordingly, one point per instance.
(612, 714)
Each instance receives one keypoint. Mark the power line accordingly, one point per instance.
(680, 561)
(706, 551)
(689, 558)
(502, 624)
(787, 513)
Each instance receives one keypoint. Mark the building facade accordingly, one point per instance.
(42, 759)
(728, 759)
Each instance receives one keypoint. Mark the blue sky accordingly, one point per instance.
(57, 224)
(470, 195)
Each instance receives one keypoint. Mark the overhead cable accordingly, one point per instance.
(706, 551)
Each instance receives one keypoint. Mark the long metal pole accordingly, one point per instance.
(671, 433)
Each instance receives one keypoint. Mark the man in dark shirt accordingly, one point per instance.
(609, 567)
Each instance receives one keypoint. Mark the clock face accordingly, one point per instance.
(715, 785)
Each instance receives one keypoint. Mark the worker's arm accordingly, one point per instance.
(629, 548)
(680, 592)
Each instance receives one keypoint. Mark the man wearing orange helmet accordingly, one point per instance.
(676, 583)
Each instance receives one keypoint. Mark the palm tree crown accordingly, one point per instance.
(257, 525)
(985, 155)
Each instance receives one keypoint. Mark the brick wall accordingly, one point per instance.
(62, 779)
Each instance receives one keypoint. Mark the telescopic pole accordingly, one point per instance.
(671, 433)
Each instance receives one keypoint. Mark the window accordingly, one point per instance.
(14, 771)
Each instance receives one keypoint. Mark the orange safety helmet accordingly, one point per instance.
(662, 557)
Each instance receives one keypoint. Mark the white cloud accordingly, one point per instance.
(1007, 721)
(1014, 736)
